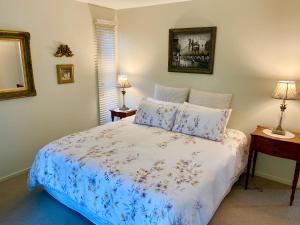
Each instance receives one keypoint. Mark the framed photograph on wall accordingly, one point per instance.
(192, 50)
(65, 73)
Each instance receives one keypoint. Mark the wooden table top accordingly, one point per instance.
(123, 111)
(259, 132)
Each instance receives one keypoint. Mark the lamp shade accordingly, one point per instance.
(123, 82)
(285, 90)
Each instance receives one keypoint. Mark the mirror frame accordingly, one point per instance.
(29, 90)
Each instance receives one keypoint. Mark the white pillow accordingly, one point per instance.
(156, 114)
(208, 108)
(210, 99)
(171, 94)
(201, 121)
(161, 102)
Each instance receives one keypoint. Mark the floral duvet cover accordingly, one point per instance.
(129, 174)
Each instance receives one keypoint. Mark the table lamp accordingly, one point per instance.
(285, 90)
(123, 84)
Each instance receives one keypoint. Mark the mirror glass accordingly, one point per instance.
(16, 75)
(11, 65)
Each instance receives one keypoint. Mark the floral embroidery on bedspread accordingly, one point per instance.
(126, 178)
(173, 138)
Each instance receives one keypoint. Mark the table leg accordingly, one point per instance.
(295, 181)
(254, 163)
(249, 165)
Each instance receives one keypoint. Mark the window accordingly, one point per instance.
(106, 69)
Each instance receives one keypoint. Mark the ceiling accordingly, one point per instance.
(125, 4)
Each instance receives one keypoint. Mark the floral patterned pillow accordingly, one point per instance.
(201, 121)
(187, 104)
(157, 114)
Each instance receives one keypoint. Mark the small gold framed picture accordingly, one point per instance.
(65, 73)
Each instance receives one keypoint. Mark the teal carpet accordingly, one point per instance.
(20, 207)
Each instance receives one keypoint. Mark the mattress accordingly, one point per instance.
(124, 173)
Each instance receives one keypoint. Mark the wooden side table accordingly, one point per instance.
(278, 147)
(121, 114)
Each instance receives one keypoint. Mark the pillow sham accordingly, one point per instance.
(208, 108)
(210, 99)
(201, 121)
(156, 113)
(171, 94)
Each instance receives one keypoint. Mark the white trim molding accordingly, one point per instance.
(127, 4)
(275, 178)
(15, 174)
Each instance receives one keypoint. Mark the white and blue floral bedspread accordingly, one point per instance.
(130, 174)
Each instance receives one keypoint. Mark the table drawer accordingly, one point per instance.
(276, 148)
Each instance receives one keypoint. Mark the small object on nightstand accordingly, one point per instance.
(285, 90)
(121, 113)
(287, 134)
(279, 147)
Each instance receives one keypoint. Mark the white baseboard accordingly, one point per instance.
(12, 175)
(275, 178)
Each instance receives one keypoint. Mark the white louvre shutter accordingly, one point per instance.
(106, 70)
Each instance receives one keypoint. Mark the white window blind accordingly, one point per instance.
(106, 70)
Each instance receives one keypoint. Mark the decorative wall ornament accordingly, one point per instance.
(63, 50)
(192, 50)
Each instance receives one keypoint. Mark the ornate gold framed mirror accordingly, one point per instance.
(16, 76)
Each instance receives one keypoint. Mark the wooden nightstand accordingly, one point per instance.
(279, 147)
(121, 114)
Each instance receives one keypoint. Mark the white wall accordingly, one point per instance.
(28, 124)
(257, 44)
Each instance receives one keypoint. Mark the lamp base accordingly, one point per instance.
(124, 108)
(278, 131)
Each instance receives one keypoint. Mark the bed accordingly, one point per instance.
(125, 173)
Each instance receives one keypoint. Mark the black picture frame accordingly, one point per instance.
(192, 50)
